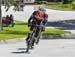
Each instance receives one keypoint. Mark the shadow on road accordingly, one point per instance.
(20, 52)
(21, 48)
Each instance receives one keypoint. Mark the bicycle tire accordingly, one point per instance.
(30, 42)
(27, 50)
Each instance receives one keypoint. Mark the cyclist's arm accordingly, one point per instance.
(31, 17)
(45, 19)
(36, 16)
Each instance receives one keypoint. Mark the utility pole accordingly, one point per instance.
(0, 16)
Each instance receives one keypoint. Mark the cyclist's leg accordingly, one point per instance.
(28, 40)
(33, 44)
(33, 40)
(38, 32)
(31, 28)
(33, 35)
(28, 37)
(7, 8)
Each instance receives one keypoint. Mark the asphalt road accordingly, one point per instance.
(46, 48)
(54, 15)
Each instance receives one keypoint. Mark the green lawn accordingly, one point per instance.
(21, 30)
(65, 7)
(61, 7)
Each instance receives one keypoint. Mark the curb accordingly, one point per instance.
(62, 36)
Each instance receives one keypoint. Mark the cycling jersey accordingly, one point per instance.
(36, 13)
(37, 16)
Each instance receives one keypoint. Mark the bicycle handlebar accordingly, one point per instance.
(36, 25)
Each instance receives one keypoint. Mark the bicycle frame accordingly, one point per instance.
(30, 42)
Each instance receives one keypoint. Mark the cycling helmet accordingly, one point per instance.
(42, 9)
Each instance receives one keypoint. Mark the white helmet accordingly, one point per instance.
(42, 9)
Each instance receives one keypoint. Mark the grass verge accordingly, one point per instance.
(66, 7)
(21, 30)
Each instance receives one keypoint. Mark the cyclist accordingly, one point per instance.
(21, 5)
(7, 6)
(36, 18)
(16, 7)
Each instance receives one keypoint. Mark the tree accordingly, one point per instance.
(0, 17)
(72, 0)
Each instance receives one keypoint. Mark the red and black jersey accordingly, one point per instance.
(37, 13)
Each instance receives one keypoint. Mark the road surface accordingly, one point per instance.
(46, 48)
(54, 15)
